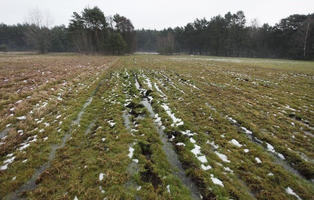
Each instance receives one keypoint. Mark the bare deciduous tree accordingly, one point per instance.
(37, 34)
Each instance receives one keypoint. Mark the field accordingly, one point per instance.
(155, 127)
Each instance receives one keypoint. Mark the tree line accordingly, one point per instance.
(88, 32)
(229, 35)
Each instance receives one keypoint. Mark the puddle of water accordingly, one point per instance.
(305, 157)
(87, 103)
(249, 192)
(127, 122)
(90, 126)
(211, 59)
(133, 167)
(79, 116)
(4, 132)
(172, 156)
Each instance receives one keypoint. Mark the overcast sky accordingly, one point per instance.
(156, 14)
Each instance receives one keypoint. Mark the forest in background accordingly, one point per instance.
(230, 35)
(292, 38)
(88, 32)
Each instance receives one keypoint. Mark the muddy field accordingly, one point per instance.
(155, 127)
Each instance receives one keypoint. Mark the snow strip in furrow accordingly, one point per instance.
(170, 82)
(171, 155)
(197, 153)
(159, 90)
(197, 149)
(175, 121)
(188, 83)
(133, 167)
(279, 158)
(7, 162)
(147, 81)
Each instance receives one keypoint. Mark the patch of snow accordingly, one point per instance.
(216, 181)
(101, 190)
(197, 150)
(149, 84)
(215, 146)
(158, 120)
(223, 157)
(131, 150)
(291, 192)
(281, 156)
(21, 132)
(101, 176)
(176, 121)
(188, 133)
(246, 130)
(231, 119)
(19, 101)
(228, 169)
(168, 188)
(270, 147)
(172, 138)
(205, 167)
(10, 155)
(246, 150)
(180, 144)
(258, 160)
(21, 118)
(6, 163)
(24, 146)
(289, 108)
(111, 123)
(27, 144)
(236, 143)
(44, 105)
(202, 159)
(158, 89)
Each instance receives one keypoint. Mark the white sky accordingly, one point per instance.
(157, 14)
